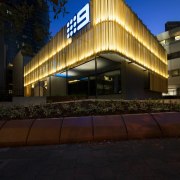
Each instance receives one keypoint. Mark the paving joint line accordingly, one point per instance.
(125, 126)
(3, 124)
(30, 130)
(157, 123)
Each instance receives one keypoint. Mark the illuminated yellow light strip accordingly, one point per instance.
(47, 58)
(73, 81)
(129, 31)
(118, 11)
(72, 63)
(58, 69)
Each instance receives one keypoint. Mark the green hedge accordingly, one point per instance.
(86, 108)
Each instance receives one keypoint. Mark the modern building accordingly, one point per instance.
(18, 76)
(172, 25)
(170, 39)
(26, 41)
(104, 51)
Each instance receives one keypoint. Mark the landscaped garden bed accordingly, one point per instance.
(86, 108)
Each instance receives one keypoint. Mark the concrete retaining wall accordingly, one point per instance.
(87, 129)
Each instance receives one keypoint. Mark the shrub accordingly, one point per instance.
(85, 108)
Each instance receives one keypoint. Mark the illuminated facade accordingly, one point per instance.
(170, 39)
(113, 54)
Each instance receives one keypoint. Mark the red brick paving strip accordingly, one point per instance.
(140, 126)
(14, 133)
(76, 129)
(169, 123)
(109, 128)
(45, 132)
(83, 129)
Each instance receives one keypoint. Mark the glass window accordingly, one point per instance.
(80, 81)
(175, 73)
(87, 80)
(109, 83)
(174, 55)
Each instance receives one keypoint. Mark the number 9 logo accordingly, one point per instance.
(83, 17)
(79, 21)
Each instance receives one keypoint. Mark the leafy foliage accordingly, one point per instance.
(16, 15)
(19, 14)
(59, 7)
(85, 108)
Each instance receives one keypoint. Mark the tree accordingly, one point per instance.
(19, 13)
(16, 15)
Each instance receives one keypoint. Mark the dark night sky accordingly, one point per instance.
(153, 13)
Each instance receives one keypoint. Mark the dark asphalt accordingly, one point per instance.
(145, 159)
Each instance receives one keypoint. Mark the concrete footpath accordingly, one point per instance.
(135, 159)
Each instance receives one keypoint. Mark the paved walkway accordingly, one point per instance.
(89, 128)
(145, 159)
